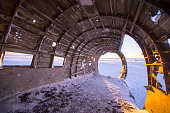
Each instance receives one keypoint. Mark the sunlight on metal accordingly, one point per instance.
(156, 101)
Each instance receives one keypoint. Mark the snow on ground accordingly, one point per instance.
(136, 77)
(84, 94)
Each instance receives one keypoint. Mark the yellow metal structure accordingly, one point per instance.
(157, 101)
(1, 58)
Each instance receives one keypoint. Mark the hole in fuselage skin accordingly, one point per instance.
(53, 44)
(161, 81)
(110, 64)
(137, 72)
(17, 59)
(34, 21)
(156, 16)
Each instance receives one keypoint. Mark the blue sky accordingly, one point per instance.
(130, 48)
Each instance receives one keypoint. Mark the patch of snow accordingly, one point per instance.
(136, 76)
(87, 94)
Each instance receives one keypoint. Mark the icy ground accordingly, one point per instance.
(136, 77)
(84, 94)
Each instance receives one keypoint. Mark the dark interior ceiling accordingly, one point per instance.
(82, 28)
(76, 22)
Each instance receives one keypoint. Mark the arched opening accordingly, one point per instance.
(77, 31)
(137, 72)
(110, 64)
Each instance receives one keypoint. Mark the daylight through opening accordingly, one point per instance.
(156, 16)
(110, 64)
(17, 59)
(58, 61)
(137, 73)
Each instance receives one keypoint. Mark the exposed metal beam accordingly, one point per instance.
(124, 27)
(34, 63)
(17, 46)
(117, 17)
(72, 60)
(10, 24)
(111, 7)
(114, 4)
(82, 49)
(89, 18)
(153, 29)
(159, 23)
(26, 30)
(104, 46)
(20, 23)
(35, 58)
(27, 23)
(4, 39)
(160, 4)
(53, 21)
(137, 14)
(81, 35)
(99, 50)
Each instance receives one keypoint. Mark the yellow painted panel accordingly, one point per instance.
(157, 101)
